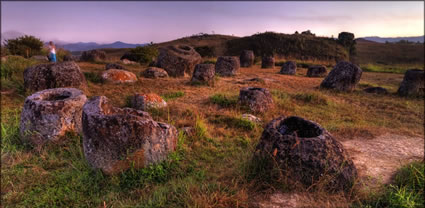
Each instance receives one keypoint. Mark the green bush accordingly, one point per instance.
(206, 51)
(142, 54)
(26, 46)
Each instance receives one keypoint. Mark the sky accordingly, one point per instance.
(143, 21)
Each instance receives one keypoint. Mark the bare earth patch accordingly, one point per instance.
(377, 160)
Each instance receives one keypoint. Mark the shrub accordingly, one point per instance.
(206, 51)
(142, 54)
(24, 46)
(15, 66)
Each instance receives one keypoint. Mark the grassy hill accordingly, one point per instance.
(372, 56)
(391, 57)
(296, 46)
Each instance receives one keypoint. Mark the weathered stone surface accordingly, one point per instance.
(317, 71)
(46, 76)
(257, 99)
(113, 66)
(47, 115)
(68, 58)
(40, 58)
(413, 83)
(147, 101)
(118, 76)
(179, 60)
(247, 58)
(203, 74)
(126, 61)
(307, 152)
(154, 72)
(289, 68)
(267, 62)
(227, 65)
(251, 118)
(376, 90)
(344, 77)
(93, 55)
(114, 139)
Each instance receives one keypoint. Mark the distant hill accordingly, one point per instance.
(290, 46)
(388, 54)
(92, 45)
(396, 39)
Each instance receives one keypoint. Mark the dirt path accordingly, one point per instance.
(376, 160)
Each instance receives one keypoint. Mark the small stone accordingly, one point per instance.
(126, 61)
(227, 65)
(376, 90)
(257, 99)
(251, 118)
(344, 77)
(116, 139)
(267, 62)
(114, 66)
(203, 74)
(289, 68)
(413, 83)
(145, 102)
(316, 71)
(247, 58)
(47, 115)
(154, 72)
(93, 56)
(118, 76)
(68, 58)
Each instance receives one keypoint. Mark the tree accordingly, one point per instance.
(346, 39)
(142, 54)
(308, 32)
(26, 46)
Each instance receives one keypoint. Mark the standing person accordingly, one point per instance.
(52, 52)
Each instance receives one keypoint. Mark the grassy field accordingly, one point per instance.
(211, 168)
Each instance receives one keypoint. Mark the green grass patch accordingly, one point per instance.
(234, 122)
(93, 77)
(311, 97)
(387, 69)
(172, 95)
(407, 191)
(224, 100)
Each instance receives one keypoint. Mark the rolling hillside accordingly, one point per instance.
(301, 48)
(369, 52)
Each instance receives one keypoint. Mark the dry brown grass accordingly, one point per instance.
(225, 149)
